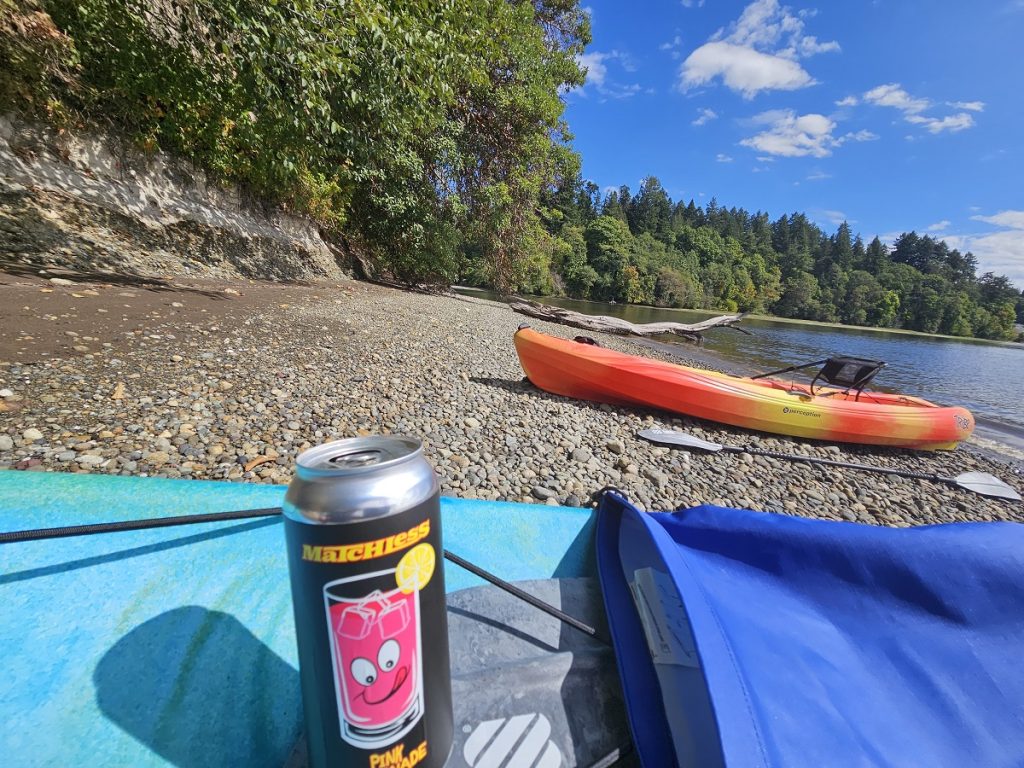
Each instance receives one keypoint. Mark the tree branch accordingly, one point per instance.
(605, 324)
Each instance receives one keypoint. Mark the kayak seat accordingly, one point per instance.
(851, 373)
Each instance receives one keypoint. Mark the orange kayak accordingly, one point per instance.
(589, 372)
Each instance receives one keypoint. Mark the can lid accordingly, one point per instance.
(358, 454)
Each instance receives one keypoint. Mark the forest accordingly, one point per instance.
(644, 248)
(427, 139)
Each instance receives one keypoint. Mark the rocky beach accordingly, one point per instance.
(231, 379)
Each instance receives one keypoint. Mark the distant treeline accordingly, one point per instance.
(644, 248)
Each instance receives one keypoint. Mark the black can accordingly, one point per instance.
(363, 530)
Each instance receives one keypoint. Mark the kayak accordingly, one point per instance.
(176, 646)
(589, 372)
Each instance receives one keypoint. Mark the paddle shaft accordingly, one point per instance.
(845, 464)
(10, 537)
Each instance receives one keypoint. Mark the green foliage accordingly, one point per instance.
(422, 132)
(647, 249)
(37, 60)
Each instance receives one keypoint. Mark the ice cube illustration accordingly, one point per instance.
(394, 618)
(356, 622)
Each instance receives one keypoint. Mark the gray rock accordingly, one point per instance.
(582, 455)
(615, 446)
(90, 461)
(6, 443)
(542, 493)
(32, 434)
(471, 422)
(660, 479)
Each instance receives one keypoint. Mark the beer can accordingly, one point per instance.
(363, 532)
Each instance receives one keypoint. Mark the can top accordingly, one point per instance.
(345, 457)
(359, 478)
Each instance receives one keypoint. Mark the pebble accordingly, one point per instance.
(582, 455)
(264, 384)
(542, 493)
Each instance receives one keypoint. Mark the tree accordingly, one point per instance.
(651, 210)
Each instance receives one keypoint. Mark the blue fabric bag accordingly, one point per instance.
(753, 639)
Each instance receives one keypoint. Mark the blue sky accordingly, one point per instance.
(893, 115)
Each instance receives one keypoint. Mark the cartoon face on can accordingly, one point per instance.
(376, 657)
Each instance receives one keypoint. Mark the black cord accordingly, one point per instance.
(37, 534)
(524, 596)
(10, 537)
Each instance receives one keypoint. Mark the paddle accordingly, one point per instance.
(978, 482)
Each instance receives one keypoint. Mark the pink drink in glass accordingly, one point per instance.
(375, 641)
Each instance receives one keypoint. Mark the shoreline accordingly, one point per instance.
(232, 379)
(787, 321)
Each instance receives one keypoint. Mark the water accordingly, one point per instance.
(985, 377)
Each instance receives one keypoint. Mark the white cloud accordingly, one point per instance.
(951, 123)
(692, 3)
(793, 136)
(704, 116)
(849, 101)
(722, 158)
(1001, 251)
(939, 226)
(861, 135)
(757, 52)
(743, 70)
(597, 74)
(765, 159)
(673, 46)
(972, 106)
(809, 46)
(892, 95)
(1008, 219)
(836, 217)
(819, 176)
(597, 70)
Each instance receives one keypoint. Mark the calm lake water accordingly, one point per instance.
(984, 377)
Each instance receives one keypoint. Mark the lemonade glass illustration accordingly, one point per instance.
(376, 654)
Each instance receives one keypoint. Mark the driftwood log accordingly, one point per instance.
(605, 324)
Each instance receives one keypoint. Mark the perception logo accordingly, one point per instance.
(801, 412)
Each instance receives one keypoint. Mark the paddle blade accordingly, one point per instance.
(678, 439)
(986, 485)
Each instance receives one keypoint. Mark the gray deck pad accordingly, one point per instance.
(530, 691)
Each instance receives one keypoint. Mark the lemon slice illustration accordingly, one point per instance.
(415, 568)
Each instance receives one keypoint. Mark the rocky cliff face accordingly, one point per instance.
(86, 201)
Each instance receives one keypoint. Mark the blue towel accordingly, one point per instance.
(754, 639)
